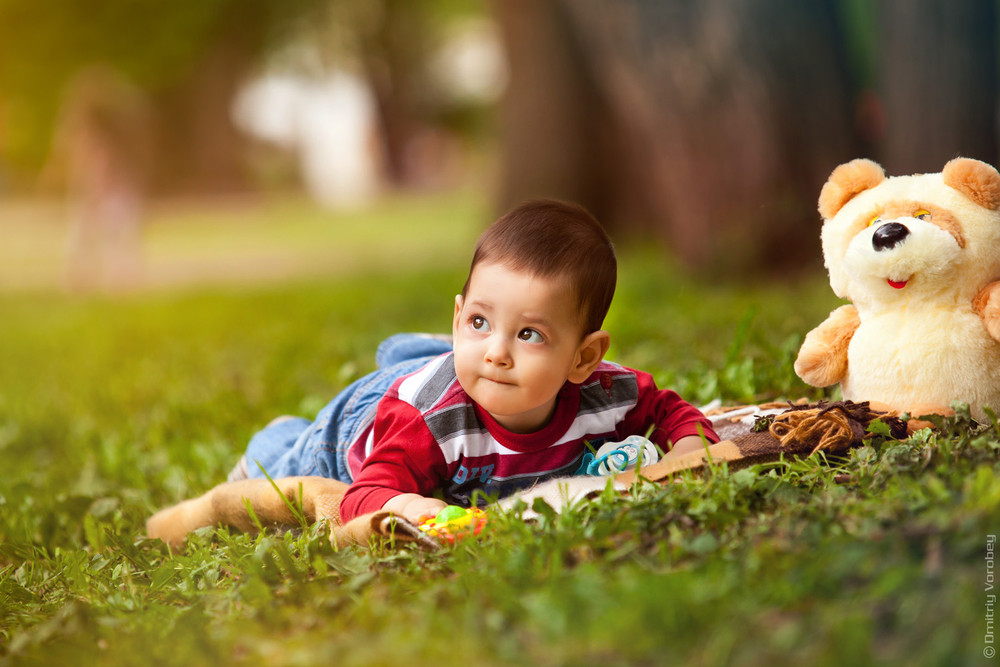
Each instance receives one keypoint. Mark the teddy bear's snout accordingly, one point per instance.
(889, 236)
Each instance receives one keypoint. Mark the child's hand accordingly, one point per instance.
(685, 445)
(414, 507)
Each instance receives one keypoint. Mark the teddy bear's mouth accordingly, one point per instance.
(897, 284)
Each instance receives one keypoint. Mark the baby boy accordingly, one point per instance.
(513, 398)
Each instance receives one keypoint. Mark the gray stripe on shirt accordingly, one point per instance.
(595, 398)
(435, 386)
(454, 420)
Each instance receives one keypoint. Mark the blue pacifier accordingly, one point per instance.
(615, 457)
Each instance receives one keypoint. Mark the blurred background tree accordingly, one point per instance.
(936, 75)
(712, 125)
(709, 126)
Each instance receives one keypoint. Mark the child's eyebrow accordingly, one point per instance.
(481, 305)
(537, 320)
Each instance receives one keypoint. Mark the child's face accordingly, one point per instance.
(517, 339)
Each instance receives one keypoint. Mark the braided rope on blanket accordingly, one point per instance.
(829, 428)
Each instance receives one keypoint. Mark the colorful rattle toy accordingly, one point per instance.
(454, 522)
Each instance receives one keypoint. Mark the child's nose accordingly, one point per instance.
(498, 352)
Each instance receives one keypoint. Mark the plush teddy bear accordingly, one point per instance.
(918, 257)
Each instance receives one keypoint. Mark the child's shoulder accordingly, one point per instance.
(609, 371)
(610, 382)
(431, 386)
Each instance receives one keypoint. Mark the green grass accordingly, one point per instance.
(111, 408)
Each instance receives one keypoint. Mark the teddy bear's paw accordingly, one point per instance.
(818, 368)
(987, 306)
(822, 359)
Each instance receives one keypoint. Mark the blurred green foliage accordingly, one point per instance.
(158, 45)
(154, 44)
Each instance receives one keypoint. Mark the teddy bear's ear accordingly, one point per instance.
(976, 180)
(845, 182)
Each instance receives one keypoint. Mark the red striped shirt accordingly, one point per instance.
(429, 435)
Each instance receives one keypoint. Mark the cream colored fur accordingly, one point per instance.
(933, 341)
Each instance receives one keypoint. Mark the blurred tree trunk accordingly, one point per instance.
(937, 77)
(554, 120)
(393, 48)
(201, 150)
(397, 43)
(726, 117)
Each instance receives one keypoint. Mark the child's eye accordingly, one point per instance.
(530, 336)
(922, 214)
(479, 323)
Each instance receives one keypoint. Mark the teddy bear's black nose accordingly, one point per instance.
(889, 235)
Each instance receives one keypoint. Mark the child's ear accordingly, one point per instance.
(590, 353)
(458, 312)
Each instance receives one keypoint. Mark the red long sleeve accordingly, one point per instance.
(405, 459)
(673, 417)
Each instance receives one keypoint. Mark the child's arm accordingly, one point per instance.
(414, 507)
(391, 480)
(406, 464)
(677, 423)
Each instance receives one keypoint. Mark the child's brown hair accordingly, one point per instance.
(549, 238)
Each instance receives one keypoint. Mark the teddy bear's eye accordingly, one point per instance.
(922, 214)
(875, 220)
